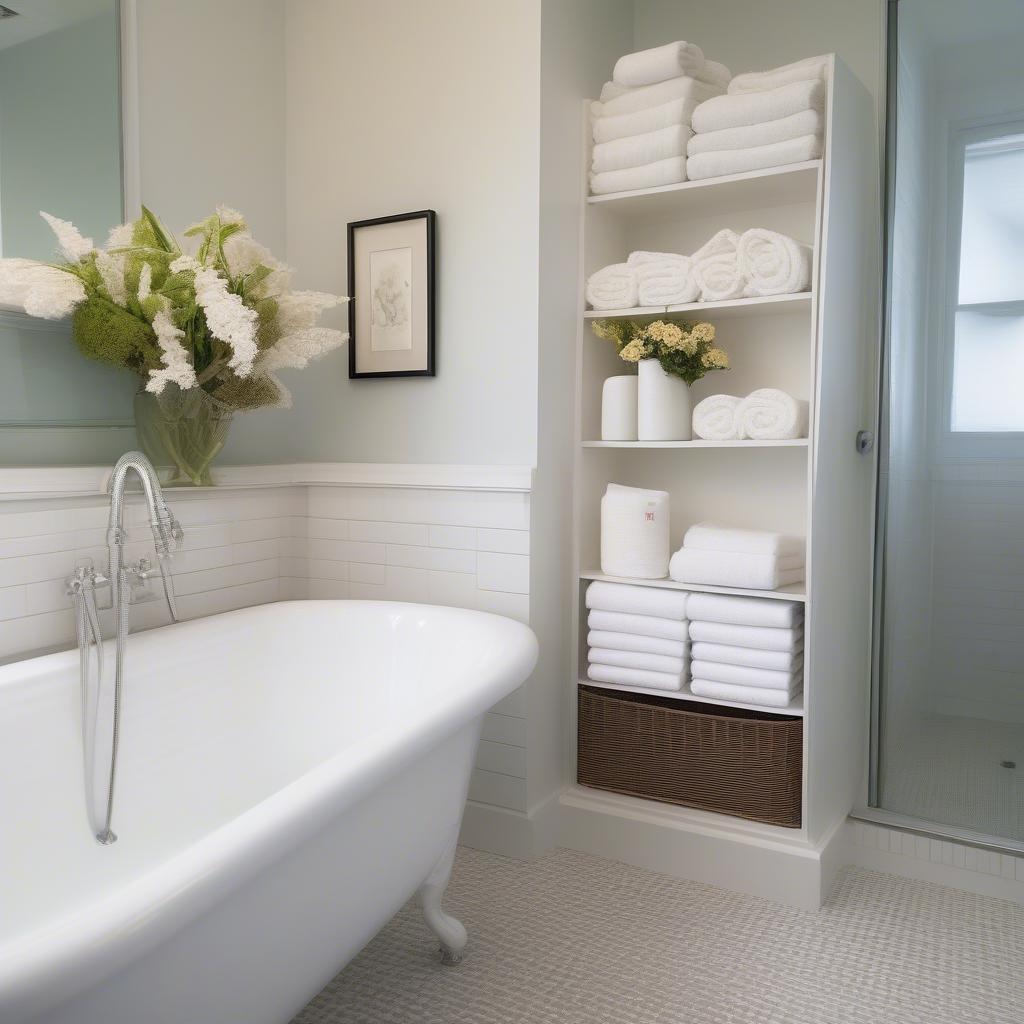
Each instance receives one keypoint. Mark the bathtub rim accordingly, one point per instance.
(70, 954)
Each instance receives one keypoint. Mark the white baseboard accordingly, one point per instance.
(517, 834)
(753, 859)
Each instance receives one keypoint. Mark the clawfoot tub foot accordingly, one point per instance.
(451, 932)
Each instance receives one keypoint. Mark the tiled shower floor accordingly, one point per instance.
(571, 939)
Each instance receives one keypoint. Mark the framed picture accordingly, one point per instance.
(391, 282)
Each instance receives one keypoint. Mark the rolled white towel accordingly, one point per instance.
(769, 414)
(711, 537)
(809, 69)
(773, 263)
(635, 677)
(612, 641)
(713, 73)
(742, 694)
(777, 661)
(761, 638)
(757, 158)
(646, 67)
(733, 110)
(743, 675)
(640, 122)
(663, 172)
(640, 625)
(714, 418)
(735, 569)
(745, 611)
(612, 287)
(654, 96)
(716, 268)
(636, 659)
(637, 150)
(747, 136)
(664, 279)
(633, 600)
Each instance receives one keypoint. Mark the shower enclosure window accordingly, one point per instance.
(949, 690)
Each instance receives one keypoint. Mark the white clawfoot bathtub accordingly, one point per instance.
(289, 776)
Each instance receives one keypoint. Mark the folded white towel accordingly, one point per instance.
(773, 263)
(639, 625)
(745, 611)
(664, 279)
(646, 67)
(770, 414)
(713, 73)
(621, 597)
(716, 268)
(664, 172)
(742, 694)
(735, 569)
(757, 158)
(742, 675)
(640, 122)
(637, 150)
(711, 537)
(612, 287)
(654, 96)
(635, 677)
(777, 661)
(640, 644)
(746, 136)
(636, 659)
(731, 111)
(809, 69)
(714, 418)
(762, 638)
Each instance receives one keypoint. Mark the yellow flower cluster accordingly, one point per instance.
(634, 351)
(703, 333)
(715, 359)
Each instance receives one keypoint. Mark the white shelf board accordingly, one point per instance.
(796, 706)
(795, 442)
(709, 197)
(793, 592)
(727, 309)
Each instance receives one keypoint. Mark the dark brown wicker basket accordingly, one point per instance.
(746, 763)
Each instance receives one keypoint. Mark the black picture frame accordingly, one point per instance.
(430, 369)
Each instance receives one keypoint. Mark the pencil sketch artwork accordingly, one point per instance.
(391, 300)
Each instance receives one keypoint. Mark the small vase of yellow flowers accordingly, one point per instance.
(669, 357)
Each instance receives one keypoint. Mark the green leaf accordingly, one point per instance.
(159, 234)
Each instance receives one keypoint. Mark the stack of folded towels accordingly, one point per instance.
(641, 124)
(729, 265)
(766, 414)
(746, 649)
(638, 636)
(721, 556)
(766, 119)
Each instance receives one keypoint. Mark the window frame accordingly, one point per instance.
(969, 443)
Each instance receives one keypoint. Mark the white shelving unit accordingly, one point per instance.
(814, 346)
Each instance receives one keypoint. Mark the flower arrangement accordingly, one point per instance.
(684, 350)
(208, 323)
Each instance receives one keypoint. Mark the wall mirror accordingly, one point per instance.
(62, 151)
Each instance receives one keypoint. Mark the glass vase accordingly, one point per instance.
(182, 429)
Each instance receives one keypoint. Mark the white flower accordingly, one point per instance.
(298, 311)
(111, 267)
(295, 351)
(177, 365)
(121, 236)
(41, 290)
(244, 254)
(145, 282)
(227, 317)
(72, 244)
(229, 216)
(184, 262)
